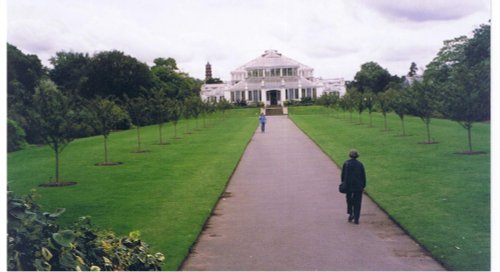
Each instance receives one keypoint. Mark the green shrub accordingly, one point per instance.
(16, 138)
(36, 242)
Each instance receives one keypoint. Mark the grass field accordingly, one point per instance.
(166, 193)
(441, 198)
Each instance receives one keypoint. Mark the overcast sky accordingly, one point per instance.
(332, 36)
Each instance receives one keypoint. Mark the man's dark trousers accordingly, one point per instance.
(354, 204)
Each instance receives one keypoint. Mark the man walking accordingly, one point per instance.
(353, 175)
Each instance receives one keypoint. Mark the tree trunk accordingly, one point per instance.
(138, 140)
(160, 125)
(427, 125)
(403, 125)
(385, 122)
(56, 149)
(175, 130)
(371, 124)
(105, 149)
(469, 136)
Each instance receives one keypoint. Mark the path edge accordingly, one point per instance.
(204, 226)
(425, 249)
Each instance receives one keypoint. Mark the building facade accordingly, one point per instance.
(272, 79)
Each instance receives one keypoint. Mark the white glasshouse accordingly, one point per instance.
(271, 79)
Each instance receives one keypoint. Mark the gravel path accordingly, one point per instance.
(282, 211)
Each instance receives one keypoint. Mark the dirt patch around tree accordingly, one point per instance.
(58, 184)
(470, 153)
(108, 163)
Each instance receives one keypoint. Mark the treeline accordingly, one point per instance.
(455, 85)
(90, 95)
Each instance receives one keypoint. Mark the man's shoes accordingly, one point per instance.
(356, 222)
(351, 217)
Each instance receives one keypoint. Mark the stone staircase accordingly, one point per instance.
(274, 110)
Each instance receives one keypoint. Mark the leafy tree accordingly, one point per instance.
(55, 117)
(466, 93)
(399, 103)
(139, 110)
(196, 107)
(423, 103)
(114, 73)
(369, 100)
(24, 73)
(384, 100)
(176, 109)
(204, 107)
(103, 116)
(16, 138)
(439, 69)
(178, 85)
(358, 102)
(223, 105)
(214, 80)
(413, 69)
(372, 77)
(329, 100)
(348, 103)
(159, 108)
(70, 71)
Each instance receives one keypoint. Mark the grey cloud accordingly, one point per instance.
(427, 10)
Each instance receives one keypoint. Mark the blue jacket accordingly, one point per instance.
(262, 119)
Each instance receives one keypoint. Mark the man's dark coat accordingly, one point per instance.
(353, 174)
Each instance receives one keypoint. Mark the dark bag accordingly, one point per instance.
(343, 188)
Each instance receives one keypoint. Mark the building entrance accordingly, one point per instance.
(274, 97)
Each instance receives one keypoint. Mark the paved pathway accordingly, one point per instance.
(282, 211)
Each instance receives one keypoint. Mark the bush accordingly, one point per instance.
(36, 242)
(16, 137)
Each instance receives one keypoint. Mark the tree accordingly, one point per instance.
(24, 73)
(399, 103)
(384, 100)
(159, 108)
(466, 93)
(55, 117)
(70, 71)
(347, 103)
(178, 85)
(139, 111)
(329, 100)
(114, 73)
(103, 116)
(423, 103)
(223, 105)
(214, 80)
(413, 70)
(175, 111)
(358, 103)
(372, 76)
(439, 69)
(369, 99)
(196, 107)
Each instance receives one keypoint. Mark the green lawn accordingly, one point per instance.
(166, 193)
(441, 198)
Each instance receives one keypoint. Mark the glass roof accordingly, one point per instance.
(271, 58)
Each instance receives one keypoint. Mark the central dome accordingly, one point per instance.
(272, 59)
